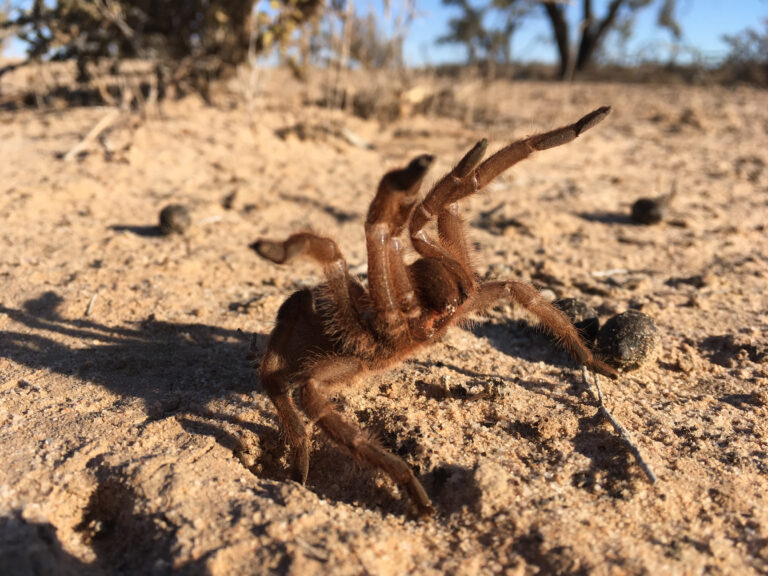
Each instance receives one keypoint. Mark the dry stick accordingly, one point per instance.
(620, 430)
(106, 121)
(90, 304)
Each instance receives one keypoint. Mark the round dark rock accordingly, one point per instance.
(174, 219)
(648, 211)
(628, 340)
(581, 315)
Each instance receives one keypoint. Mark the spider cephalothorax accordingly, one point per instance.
(328, 336)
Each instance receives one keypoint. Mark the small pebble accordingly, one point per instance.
(628, 340)
(647, 211)
(652, 210)
(581, 315)
(174, 219)
(547, 294)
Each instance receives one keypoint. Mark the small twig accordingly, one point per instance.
(617, 426)
(105, 122)
(90, 304)
(611, 272)
(355, 140)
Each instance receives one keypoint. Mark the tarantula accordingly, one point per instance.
(327, 336)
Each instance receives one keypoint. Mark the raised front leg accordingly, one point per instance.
(470, 176)
(346, 301)
(520, 150)
(452, 250)
(388, 283)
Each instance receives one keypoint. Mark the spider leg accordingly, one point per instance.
(273, 375)
(553, 319)
(440, 201)
(388, 283)
(470, 176)
(350, 437)
(290, 422)
(521, 149)
(326, 252)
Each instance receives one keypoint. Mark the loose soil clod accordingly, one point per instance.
(652, 210)
(628, 340)
(174, 219)
(582, 316)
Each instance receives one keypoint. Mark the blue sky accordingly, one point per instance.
(703, 21)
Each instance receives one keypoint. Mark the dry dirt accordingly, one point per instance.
(135, 439)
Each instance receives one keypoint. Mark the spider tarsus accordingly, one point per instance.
(301, 465)
(409, 176)
(604, 369)
(274, 251)
(425, 511)
(561, 136)
(592, 119)
(471, 159)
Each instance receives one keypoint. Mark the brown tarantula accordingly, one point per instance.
(329, 335)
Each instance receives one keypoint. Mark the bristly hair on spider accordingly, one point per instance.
(329, 336)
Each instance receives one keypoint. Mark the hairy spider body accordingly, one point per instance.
(329, 336)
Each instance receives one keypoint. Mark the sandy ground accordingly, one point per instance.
(136, 439)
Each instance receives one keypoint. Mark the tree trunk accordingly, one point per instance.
(560, 28)
(593, 32)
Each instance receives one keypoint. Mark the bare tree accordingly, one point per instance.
(466, 28)
(747, 59)
(593, 28)
(492, 44)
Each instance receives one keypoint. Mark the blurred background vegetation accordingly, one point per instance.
(188, 44)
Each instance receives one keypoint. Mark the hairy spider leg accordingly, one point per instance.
(452, 251)
(350, 437)
(274, 377)
(548, 315)
(521, 149)
(389, 285)
(326, 252)
(468, 178)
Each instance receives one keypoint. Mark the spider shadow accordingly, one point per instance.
(122, 533)
(506, 336)
(123, 537)
(171, 367)
(28, 547)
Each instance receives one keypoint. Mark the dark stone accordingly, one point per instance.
(174, 219)
(628, 340)
(582, 316)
